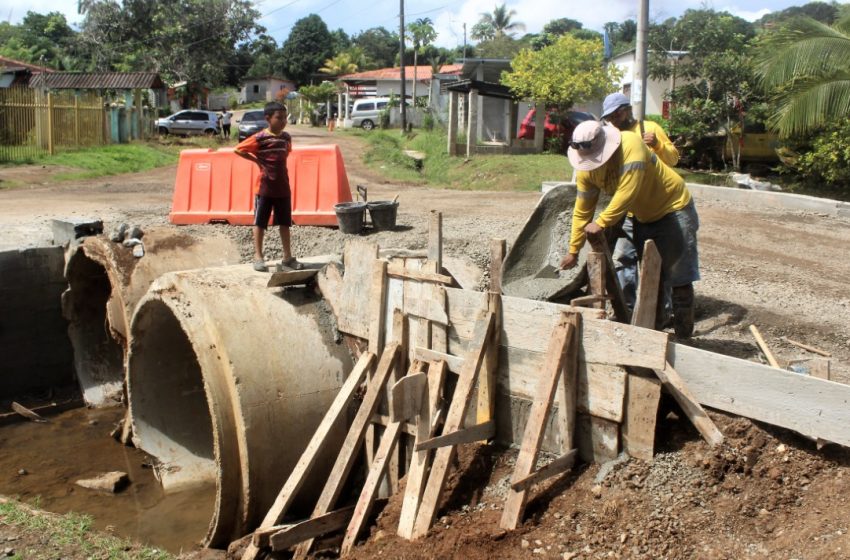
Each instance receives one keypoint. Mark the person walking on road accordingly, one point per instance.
(621, 165)
(225, 116)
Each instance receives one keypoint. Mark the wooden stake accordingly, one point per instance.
(377, 310)
(560, 344)
(693, 410)
(486, 402)
(648, 287)
(812, 349)
(563, 463)
(596, 266)
(290, 535)
(353, 440)
(764, 347)
(482, 333)
(317, 444)
(478, 432)
(600, 245)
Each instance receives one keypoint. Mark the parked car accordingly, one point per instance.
(366, 113)
(554, 125)
(189, 122)
(251, 123)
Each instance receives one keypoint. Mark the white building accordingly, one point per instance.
(657, 92)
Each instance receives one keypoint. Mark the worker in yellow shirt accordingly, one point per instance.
(621, 165)
(617, 110)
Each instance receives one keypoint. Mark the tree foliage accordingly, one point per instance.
(379, 46)
(497, 24)
(568, 72)
(820, 11)
(181, 39)
(339, 65)
(306, 49)
(805, 65)
(42, 39)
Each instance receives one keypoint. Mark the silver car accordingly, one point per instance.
(189, 122)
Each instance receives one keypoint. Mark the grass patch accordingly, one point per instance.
(71, 533)
(482, 172)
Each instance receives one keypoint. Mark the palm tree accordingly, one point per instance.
(497, 24)
(422, 33)
(339, 65)
(807, 64)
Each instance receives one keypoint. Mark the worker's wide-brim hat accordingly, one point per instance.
(602, 141)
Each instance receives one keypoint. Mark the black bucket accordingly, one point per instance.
(383, 213)
(350, 216)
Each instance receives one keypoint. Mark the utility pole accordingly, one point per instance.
(639, 80)
(401, 63)
(464, 42)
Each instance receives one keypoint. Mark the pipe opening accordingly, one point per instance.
(98, 354)
(169, 405)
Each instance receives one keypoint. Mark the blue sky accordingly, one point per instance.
(448, 15)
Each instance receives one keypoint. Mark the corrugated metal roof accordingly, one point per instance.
(422, 73)
(11, 63)
(98, 80)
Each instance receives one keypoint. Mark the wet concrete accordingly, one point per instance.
(76, 444)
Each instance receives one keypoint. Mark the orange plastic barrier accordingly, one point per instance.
(218, 185)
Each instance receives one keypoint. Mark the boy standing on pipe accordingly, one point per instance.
(269, 149)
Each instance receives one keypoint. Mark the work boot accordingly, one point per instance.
(683, 310)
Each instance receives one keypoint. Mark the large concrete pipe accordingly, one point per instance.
(227, 381)
(105, 282)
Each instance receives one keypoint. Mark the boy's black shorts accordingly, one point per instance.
(263, 207)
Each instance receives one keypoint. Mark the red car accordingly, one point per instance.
(554, 125)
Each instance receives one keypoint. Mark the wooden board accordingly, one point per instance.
(420, 275)
(559, 465)
(638, 430)
(813, 407)
(478, 432)
(690, 405)
(353, 317)
(597, 440)
(601, 391)
(308, 529)
(454, 363)
(409, 394)
(648, 285)
(292, 278)
(527, 325)
(377, 306)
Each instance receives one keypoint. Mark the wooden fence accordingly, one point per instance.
(34, 123)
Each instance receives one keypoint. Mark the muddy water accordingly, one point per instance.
(76, 444)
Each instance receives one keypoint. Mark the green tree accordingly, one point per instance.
(715, 84)
(42, 39)
(421, 33)
(379, 46)
(820, 11)
(188, 40)
(496, 24)
(500, 47)
(561, 26)
(805, 66)
(306, 49)
(568, 72)
(339, 65)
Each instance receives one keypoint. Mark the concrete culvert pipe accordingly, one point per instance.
(105, 282)
(227, 381)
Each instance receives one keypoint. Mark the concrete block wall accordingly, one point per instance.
(35, 351)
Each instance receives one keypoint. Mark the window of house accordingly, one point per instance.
(256, 88)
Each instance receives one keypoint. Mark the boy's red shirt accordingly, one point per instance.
(271, 151)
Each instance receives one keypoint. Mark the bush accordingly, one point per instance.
(826, 159)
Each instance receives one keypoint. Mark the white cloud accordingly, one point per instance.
(748, 15)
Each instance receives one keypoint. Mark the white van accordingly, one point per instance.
(366, 112)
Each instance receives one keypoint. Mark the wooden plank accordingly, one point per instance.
(690, 405)
(649, 282)
(806, 347)
(353, 316)
(419, 330)
(810, 406)
(820, 368)
(409, 394)
(455, 363)
(370, 488)
(439, 331)
(612, 285)
(377, 309)
(498, 249)
(353, 440)
(435, 242)
(399, 322)
(559, 465)
(296, 479)
(765, 349)
(454, 420)
(429, 309)
(292, 278)
(567, 393)
(597, 439)
(527, 324)
(560, 345)
(478, 432)
(642, 396)
(416, 476)
(596, 278)
(486, 403)
(310, 528)
(601, 391)
(421, 276)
